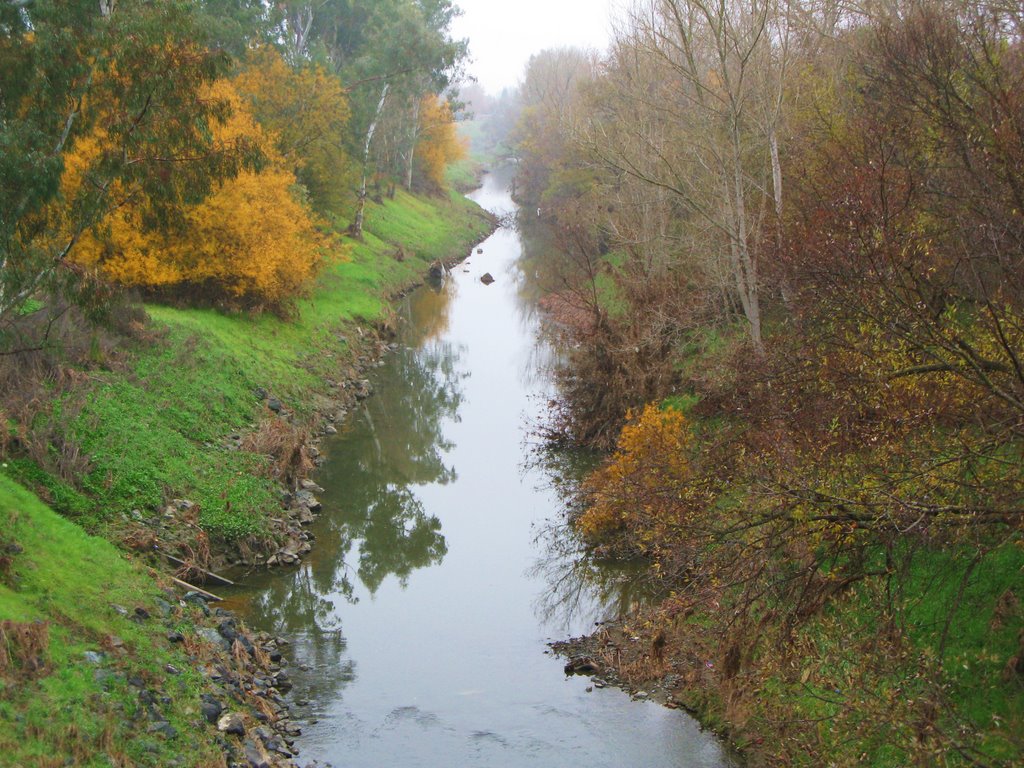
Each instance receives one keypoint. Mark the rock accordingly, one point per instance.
(172, 670)
(436, 270)
(282, 682)
(93, 657)
(330, 429)
(275, 405)
(214, 637)
(312, 451)
(479, 250)
(196, 598)
(231, 723)
(256, 755)
(363, 389)
(165, 608)
(227, 630)
(309, 485)
(581, 665)
(141, 613)
(309, 501)
(210, 708)
(261, 393)
(183, 505)
(120, 610)
(487, 278)
(165, 729)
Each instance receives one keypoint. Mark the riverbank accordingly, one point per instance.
(916, 653)
(219, 410)
(193, 434)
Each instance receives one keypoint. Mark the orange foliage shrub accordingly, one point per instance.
(306, 111)
(439, 144)
(251, 243)
(642, 486)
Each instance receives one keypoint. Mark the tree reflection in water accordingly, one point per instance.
(579, 588)
(374, 525)
(394, 444)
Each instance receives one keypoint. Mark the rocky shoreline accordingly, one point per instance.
(632, 655)
(246, 681)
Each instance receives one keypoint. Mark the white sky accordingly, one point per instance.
(502, 34)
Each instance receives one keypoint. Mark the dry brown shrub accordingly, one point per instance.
(260, 657)
(23, 647)
(197, 557)
(285, 444)
(240, 655)
(140, 539)
(266, 708)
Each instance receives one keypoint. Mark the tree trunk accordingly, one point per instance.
(411, 156)
(356, 230)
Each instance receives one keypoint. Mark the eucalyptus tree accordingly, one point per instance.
(131, 73)
(389, 54)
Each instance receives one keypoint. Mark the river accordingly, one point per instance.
(419, 623)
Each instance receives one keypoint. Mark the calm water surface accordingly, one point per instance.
(422, 615)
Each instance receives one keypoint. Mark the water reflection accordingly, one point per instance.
(395, 444)
(579, 589)
(444, 665)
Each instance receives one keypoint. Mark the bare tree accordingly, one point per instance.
(697, 111)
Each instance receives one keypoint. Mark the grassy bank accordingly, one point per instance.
(181, 417)
(195, 405)
(74, 650)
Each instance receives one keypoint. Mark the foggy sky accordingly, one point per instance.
(503, 34)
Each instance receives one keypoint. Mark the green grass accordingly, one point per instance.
(850, 686)
(74, 710)
(156, 431)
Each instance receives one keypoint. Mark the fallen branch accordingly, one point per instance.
(203, 592)
(221, 580)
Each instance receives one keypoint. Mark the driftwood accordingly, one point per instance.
(203, 592)
(215, 578)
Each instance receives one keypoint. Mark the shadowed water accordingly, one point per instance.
(439, 572)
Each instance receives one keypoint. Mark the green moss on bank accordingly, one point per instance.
(77, 700)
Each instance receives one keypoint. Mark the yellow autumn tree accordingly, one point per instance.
(307, 112)
(439, 144)
(642, 488)
(251, 243)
